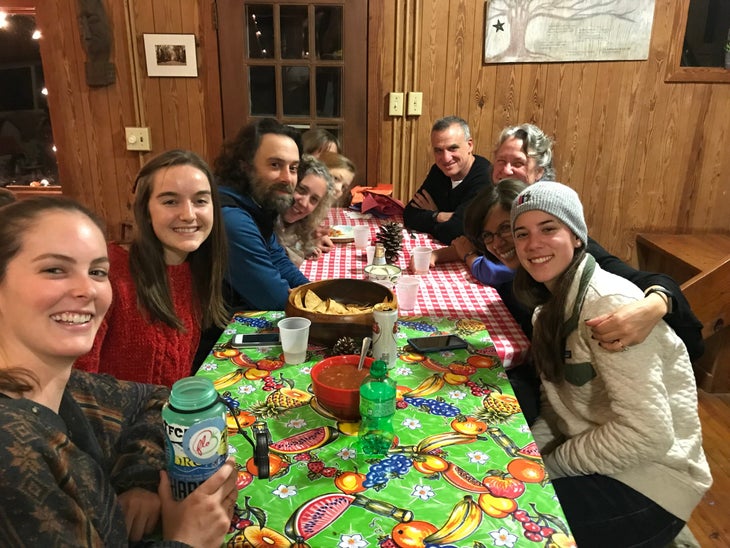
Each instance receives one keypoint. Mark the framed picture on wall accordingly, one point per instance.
(170, 55)
(559, 31)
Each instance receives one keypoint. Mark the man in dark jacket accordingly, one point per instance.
(455, 178)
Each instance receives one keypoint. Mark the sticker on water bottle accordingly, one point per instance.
(204, 442)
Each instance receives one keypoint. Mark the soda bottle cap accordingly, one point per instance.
(378, 369)
(192, 393)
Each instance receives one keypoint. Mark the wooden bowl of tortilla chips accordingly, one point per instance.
(338, 308)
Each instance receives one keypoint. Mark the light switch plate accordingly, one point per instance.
(395, 104)
(415, 103)
(137, 138)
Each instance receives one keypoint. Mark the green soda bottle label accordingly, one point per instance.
(376, 409)
(377, 399)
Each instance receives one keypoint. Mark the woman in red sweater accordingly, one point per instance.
(168, 285)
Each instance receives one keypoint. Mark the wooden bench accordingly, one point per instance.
(700, 263)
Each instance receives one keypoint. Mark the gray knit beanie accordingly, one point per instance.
(556, 199)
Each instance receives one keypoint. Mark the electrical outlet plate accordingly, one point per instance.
(395, 104)
(415, 103)
(138, 138)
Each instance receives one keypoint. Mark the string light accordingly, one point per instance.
(3, 19)
(258, 34)
(36, 35)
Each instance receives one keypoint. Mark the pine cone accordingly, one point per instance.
(345, 345)
(391, 236)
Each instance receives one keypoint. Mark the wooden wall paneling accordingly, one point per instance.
(191, 103)
(86, 120)
(601, 193)
(714, 162)
(413, 83)
(531, 93)
(390, 49)
(507, 81)
(559, 127)
(122, 113)
(482, 125)
(150, 101)
(579, 131)
(173, 91)
(480, 87)
(399, 85)
(62, 100)
(209, 84)
(378, 49)
(460, 55)
(708, 161)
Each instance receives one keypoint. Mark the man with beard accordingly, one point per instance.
(256, 173)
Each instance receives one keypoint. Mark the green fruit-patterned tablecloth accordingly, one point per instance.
(465, 471)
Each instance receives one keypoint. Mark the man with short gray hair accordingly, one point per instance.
(455, 178)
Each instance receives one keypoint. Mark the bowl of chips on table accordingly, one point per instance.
(338, 308)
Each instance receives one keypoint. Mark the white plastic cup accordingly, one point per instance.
(421, 259)
(406, 288)
(361, 234)
(370, 251)
(294, 334)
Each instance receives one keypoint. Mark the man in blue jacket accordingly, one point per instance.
(455, 178)
(256, 172)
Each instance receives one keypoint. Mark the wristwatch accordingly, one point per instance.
(664, 291)
(469, 254)
(433, 217)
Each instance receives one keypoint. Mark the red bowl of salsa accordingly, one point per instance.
(336, 384)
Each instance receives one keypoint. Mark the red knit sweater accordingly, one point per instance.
(131, 348)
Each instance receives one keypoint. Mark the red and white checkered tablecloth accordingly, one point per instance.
(448, 290)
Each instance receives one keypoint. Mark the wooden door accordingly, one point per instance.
(303, 63)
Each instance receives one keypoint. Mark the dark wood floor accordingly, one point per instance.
(710, 522)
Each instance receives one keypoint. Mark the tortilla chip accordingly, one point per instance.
(336, 308)
(312, 300)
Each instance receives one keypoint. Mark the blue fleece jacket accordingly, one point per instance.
(260, 273)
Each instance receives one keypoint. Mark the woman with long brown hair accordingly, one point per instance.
(80, 454)
(168, 286)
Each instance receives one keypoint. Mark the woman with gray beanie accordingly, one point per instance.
(618, 431)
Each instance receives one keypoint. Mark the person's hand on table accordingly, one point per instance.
(325, 244)
(629, 324)
(315, 254)
(203, 517)
(463, 245)
(423, 200)
(321, 231)
(141, 509)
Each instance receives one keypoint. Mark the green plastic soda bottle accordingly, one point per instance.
(377, 407)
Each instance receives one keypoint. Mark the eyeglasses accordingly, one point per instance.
(503, 231)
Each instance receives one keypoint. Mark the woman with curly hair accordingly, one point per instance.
(297, 227)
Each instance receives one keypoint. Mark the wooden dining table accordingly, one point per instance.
(447, 290)
(463, 470)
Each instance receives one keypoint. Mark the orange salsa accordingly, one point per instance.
(345, 377)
